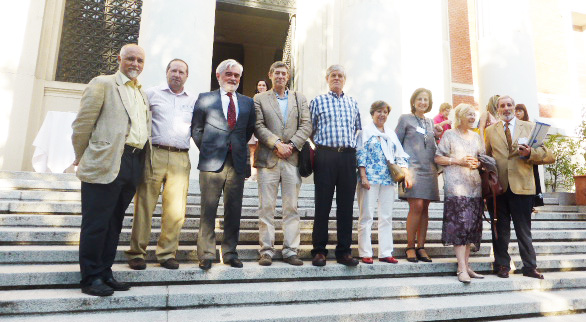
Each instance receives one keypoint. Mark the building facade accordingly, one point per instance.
(462, 50)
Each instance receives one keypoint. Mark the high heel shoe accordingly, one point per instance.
(463, 277)
(412, 259)
(424, 257)
(473, 274)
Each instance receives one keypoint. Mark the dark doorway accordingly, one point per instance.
(254, 37)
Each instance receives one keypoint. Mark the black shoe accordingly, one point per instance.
(347, 260)
(503, 272)
(205, 264)
(533, 273)
(235, 262)
(319, 260)
(171, 263)
(137, 264)
(411, 259)
(424, 257)
(117, 286)
(97, 288)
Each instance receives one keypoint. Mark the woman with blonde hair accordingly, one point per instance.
(458, 152)
(490, 116)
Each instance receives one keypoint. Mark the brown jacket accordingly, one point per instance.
(269, 126)
(514, 173)
(100, 130)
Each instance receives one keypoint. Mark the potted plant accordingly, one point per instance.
(567, 168)
(580, 174)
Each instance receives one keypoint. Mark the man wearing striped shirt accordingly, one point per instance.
(172, 109)
(336, 121)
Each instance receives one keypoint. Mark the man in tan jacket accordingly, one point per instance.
(282, 126)
(506, 141)
(110, 136)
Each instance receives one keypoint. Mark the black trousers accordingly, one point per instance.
(102, 210)
(517, 208)
(333, 171)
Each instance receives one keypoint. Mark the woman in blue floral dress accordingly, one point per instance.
(375, 184)
(463, 205)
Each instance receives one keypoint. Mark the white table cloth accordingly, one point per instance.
(53, 148)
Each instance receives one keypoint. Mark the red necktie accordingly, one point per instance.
(231, 113)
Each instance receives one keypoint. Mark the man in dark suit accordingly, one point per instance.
(110, 139)
(223, 121)
(506, 141)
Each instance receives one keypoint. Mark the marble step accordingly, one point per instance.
(44, 235)
(33, 254)
(57, 275)
(399, 222)
(400, 210)
(176, 297)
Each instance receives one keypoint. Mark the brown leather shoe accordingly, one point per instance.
(347, 260)
(171, 263)
(319, 260)
(137, 264)
(533, 273)
(503, 272)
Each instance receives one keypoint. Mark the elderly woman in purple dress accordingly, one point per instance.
(458, 152)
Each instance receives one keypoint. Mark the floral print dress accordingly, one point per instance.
(463, 204)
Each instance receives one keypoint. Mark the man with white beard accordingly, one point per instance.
(223, 121)
(506, 142)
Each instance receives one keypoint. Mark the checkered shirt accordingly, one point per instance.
(335, 120)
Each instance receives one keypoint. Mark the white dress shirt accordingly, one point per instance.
(172, 114)
(226, 101)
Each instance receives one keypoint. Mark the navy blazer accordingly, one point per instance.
(212, 135)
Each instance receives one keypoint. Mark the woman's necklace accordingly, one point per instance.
(422, 124)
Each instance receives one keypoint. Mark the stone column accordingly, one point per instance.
(178, 29)
(506, 58)
(389, 48)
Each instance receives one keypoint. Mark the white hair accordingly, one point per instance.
(229, 63)
(338, 68)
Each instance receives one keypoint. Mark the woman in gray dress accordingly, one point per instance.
(463, 204)
(417, 135)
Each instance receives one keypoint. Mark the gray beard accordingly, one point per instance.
(132, 74)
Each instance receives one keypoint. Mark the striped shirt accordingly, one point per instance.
(172, 114)
(335, 120)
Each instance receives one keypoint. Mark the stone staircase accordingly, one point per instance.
(39, 272)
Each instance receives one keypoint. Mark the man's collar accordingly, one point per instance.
(166, 87)
(336, 94)
(124, 80)
(277, 94)
(511, 122)
(223, 92)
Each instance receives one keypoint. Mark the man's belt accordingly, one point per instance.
(170, 148)
(339, 149)
(131, 149)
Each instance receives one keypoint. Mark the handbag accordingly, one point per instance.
(306, 155)
(491, 187)
(396, 172)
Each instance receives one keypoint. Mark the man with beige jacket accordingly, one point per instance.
(506, 142)
(110, 139)
(282, 126)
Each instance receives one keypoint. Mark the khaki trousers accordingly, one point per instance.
(170, 170)
(268, 184)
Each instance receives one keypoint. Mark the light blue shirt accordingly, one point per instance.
(283, 104)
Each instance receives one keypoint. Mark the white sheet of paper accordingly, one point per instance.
(522, 141)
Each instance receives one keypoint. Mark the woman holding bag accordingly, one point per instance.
(379, 148)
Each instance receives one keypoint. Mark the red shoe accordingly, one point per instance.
(367, 260)
(389, 259)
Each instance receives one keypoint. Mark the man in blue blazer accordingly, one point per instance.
(223, 121)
